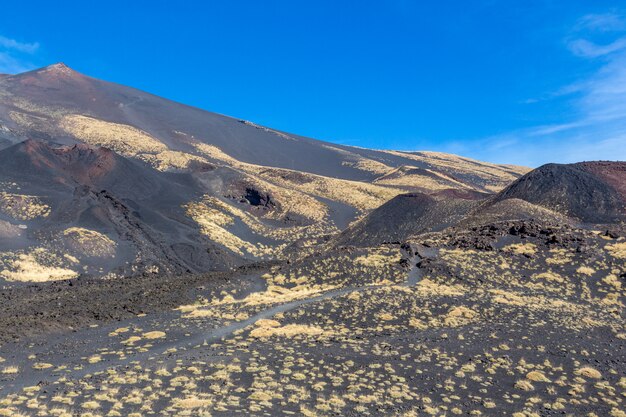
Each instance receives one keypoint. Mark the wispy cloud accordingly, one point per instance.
(9, 43)
(602, 22)
(596, 128)
(12, 65)
(588, 49)
(15, 56)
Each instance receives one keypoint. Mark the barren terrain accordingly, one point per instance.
(157, 259)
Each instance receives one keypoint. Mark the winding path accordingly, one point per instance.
(414, 274)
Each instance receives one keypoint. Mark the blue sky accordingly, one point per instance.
(505, 81)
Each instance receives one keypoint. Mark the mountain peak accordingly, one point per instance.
(54, 73)
(59, 68)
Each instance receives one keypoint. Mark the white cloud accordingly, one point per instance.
(15, 56)
(587, 49)
(596, 125)
(606, 22)
(12, 44)
(12, 65)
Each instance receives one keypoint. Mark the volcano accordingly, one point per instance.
(159, 185)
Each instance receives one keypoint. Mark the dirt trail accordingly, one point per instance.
(160, 349)
(202, 337)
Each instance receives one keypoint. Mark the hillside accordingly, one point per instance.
(157, 259)
(588, 193)
(174, 188)
(408, 215)
(591, 192)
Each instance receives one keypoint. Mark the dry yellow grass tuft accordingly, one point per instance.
(37, 266)
(459, 316)
(586, 270)
(524, 385)
(559, 257)
(94, 359)
(360, 195)
(154, 335)
(385, 316)
(214, 216)
(10, 370)
(25, 120)
(589, 372)
(273, 295)
(267, 323)
(429, 287)
(613, 281)
(521, 248)
(212, 224)
(417, 323)
(617, 250)
(549, 276)
(357, 161)
(191, 402)
(292, 330)
(126, 140)
(119, 331)
(90, 405)
(615, 412)
(131, 340)
(495, 177)
(23, 207)
(216, 153)
(90, 242)
(428, 179)
(378, 258)
(537, 376)
(171, 160)
(368, 165)
(269, 328)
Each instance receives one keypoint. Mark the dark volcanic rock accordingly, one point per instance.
(593, 192)
(407, 215)
(490, 237)
(128, 201)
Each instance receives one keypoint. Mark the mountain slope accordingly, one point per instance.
(59, 103)
(407, 215)
(158, 185)
(587, 192)
(592, 192)
(69, 221)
